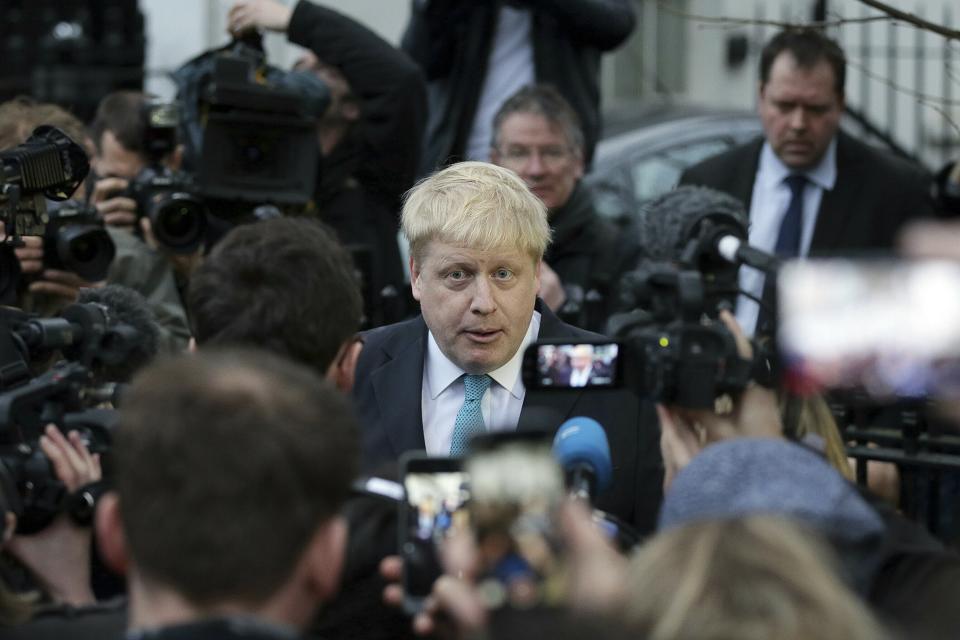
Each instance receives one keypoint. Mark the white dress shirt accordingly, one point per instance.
(442, 393)
(509, 69)
(768, 205)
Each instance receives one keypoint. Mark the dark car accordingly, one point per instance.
(642, 155)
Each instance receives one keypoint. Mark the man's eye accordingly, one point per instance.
(503, 274)
(457, 275)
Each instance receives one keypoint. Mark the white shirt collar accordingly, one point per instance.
(824, 174)
(441, 372)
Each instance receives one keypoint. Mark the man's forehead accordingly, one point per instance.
(787, 75)
(439, 251)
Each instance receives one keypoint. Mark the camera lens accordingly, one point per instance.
(86, 250)
(179, 222)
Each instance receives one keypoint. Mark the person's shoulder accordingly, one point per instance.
(390, 338)
(881, 163)
(730, 160)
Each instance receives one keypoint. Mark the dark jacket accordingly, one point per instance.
(875, 193)
(363, 179)
(451, 42)
(387, 397)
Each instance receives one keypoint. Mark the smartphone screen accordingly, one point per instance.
(436, 494)
(516, 489)
(886, 329)
(565, 366)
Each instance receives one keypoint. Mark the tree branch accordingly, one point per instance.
(910, 18)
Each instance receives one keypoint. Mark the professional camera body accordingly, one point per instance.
(75, 240)
(65, 396)
(178, 216)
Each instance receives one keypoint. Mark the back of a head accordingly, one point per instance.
(476, 205)
(227, 463)
(285, 285)
(755, 578)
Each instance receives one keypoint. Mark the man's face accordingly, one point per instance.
(115, 161)
(477, 304)
(800, 110)
(582, 359)
(541, 154)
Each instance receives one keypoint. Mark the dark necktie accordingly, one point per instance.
(788, 242)
(788, 246)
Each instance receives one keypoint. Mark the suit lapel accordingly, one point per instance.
(547, 409)
(397, 387)
(838, 204)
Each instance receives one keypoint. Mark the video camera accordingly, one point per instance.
(670, 345)
(65, 396)
(250, 129)
(48, 166)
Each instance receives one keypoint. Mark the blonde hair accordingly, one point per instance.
(753, 579)
(476, 205)
(811, 414)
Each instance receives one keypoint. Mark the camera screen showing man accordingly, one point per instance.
(577, 365)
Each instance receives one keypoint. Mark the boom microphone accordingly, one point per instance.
(704, 228)
(581, 448)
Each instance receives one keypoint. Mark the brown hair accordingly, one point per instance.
(227, 462)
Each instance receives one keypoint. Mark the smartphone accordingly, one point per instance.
(516, 489)
(885, 330)
(436, 491)
(567, 365)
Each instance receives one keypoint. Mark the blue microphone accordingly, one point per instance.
(581, 448)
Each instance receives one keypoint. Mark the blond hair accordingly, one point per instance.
(752, 578)
(476, 205)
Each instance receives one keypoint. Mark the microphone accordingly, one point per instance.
(701, 227)
(581, 448)
(137, 334)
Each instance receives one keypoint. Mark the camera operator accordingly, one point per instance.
(57, 558)
(119, 130)
(225, 515)
(370, 135)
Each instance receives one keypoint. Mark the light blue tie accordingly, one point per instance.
(469, 420)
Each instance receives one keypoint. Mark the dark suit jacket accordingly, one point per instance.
(387, 398)
(874, 195)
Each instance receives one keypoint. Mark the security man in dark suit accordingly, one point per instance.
(477, 238)
(809, 188)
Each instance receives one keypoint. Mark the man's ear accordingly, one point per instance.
(342, 369)
(111, 538)
(324, 557)
(415, 278)
(192, 345)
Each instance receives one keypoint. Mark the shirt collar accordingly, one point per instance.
(824, 174)
(441, 372)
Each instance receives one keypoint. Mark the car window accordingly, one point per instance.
(658, 173)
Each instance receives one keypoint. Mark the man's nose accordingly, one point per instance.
(483, 302)
(798, 118)
(534, 165)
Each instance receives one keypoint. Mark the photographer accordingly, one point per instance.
(119, 131)
(45, 289)
(370, 135)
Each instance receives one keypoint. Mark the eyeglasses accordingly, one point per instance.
(552, 156)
